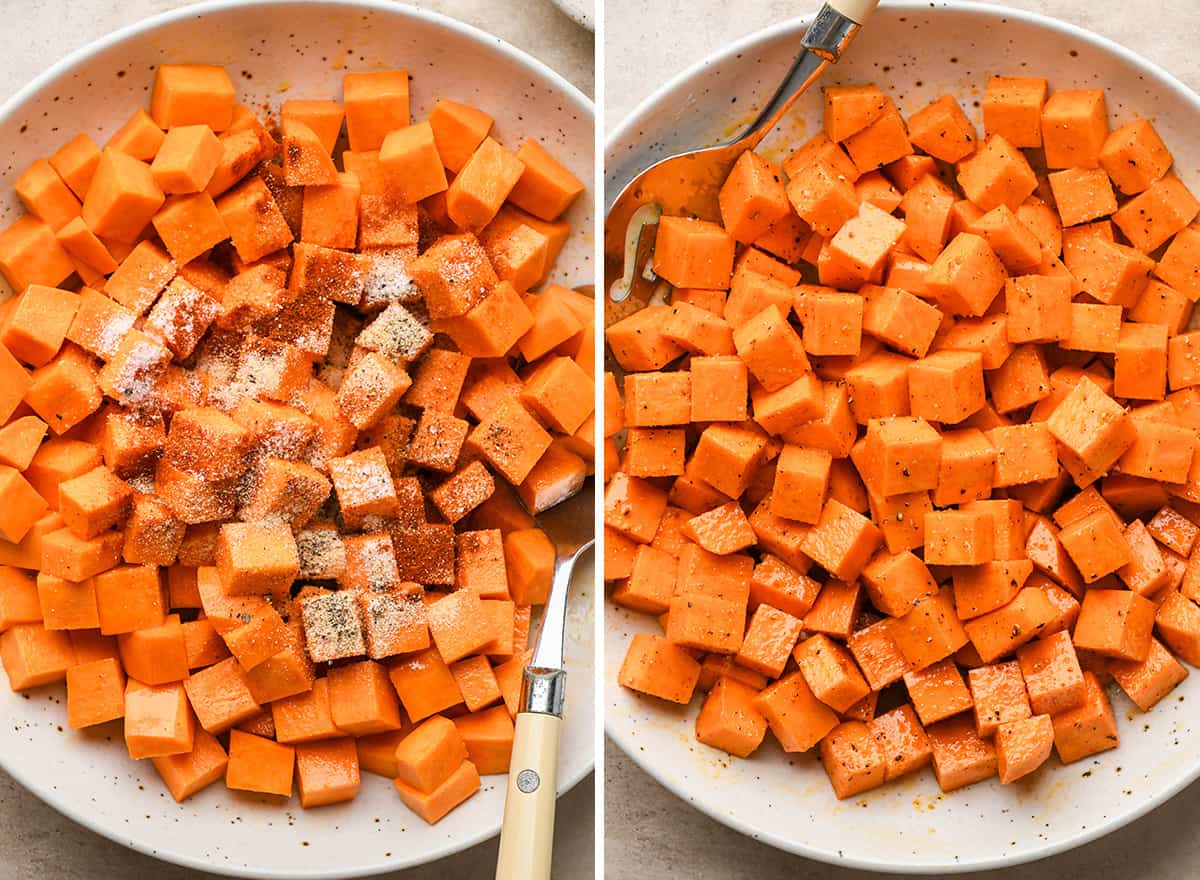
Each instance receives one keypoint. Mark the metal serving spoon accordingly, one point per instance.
(688, 183)
(527, 835)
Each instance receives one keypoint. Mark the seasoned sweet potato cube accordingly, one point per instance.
(853, 759)
(653, 665)
(257, 558)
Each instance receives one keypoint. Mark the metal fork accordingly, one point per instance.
(688, 183)
(527, 835)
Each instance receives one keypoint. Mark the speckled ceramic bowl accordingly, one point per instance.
(917, 51)
(582, 11)
(276, 49)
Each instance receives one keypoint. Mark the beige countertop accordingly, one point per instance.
(35, 841)
(649, 832)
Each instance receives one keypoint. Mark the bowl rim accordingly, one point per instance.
(8, 109)
(624, 134)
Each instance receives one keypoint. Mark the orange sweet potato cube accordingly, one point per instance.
(327, 772)
(706, 623)
(122, 198)
(881, 142)
(830, 672)
(259, 764)
(1148, 681)
(946, 386)
(31, 254)
(546, 188)
(449, 295)
(727, 456)
(1140, 366)
(192, 94)
(95, 692)
(729, 721)
(258, 639)
(333, 629)
(842, 541)
(254, 221)
(558, 392)
(651, 581)
(22, 505)
(638, 342)
(1053, 678)
(937, 691)
(960, 755)
(129, 598)
(693, 253)
(189, 225)
(931, 631)
(75, 559)
(158, 721)
(654, 452)
(655, 666)
(67, 605)
(33, 655)
(155, 654)
(853, 759)
(942, 130)
(857, 252)
(68, 389)
(480, 188)
(189, 772)
(362, 700)
(849, 109)
(18, 598)
(1022, 746)
(1135, 156)
(424, 684)
(370, 389)
(801, 483)
(1012, 107)
(1088, 728)
(256, 558)
(435, 805)
(752, 198)
(656, 399)
(1115, 623)
(510, 440)
(797, 718)
(1096, 544)
(769, 640)
(966, 276)
(363, 484)
(998, 694)
(1074, 128)
(437, 441)
(46, 195)
(38, 324)
(1092, 426)
(94, 502)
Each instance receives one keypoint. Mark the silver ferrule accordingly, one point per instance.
(830, 33)
(544, 691)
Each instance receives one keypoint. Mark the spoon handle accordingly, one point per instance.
(857, 10)
(527, 835)
(832, 31)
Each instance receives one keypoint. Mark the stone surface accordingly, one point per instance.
(648, 831)
(35, 841)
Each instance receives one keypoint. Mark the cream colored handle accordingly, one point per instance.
(855, 10)
(527, 835)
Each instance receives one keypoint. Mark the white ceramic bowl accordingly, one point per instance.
(582, 12)
(275, 49)
(917, 51)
